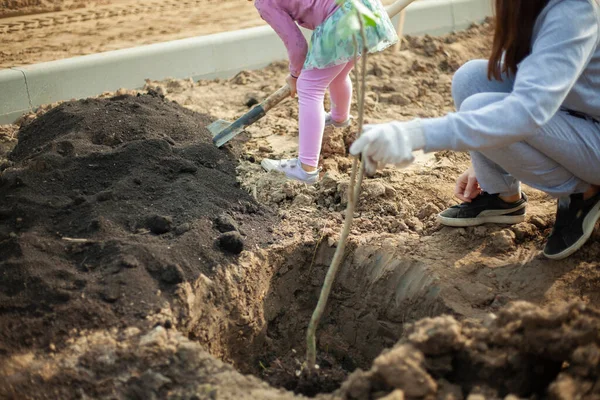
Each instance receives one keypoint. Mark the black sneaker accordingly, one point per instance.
(485, 208)
(573, 226)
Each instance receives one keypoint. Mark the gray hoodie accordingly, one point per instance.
(562, 71)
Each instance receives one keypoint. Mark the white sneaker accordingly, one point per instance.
(329, 121)
(292, 169)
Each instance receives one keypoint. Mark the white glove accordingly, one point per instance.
(389, 143)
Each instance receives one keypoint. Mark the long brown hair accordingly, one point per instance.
(513, 34)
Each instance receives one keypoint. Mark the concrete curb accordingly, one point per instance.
(214, 56)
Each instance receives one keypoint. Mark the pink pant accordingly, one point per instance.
(311, 87)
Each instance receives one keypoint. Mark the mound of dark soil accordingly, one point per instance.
(108, 205)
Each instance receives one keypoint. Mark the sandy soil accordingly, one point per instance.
(87, 27)
(402, 272)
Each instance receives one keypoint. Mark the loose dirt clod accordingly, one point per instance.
(231, 242)
(225, 223)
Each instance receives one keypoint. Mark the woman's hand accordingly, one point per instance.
(467, 187)
(291, 81)
(389, 143)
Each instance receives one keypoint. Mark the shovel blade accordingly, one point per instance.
(218, 126)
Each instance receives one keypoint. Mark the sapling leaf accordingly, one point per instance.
(349, 25)
(368, 16)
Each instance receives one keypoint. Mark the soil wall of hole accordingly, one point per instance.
(256, 316)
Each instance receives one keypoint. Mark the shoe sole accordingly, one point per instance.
(466, 222)
(336, 125)
(266, 168)
(589, 223)
(344, 124)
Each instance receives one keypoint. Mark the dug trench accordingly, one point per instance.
(265, 325)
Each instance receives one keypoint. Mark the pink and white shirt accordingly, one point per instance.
(283, 15)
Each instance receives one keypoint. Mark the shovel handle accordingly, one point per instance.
(397, 7)
(283, 93)
(251, 116)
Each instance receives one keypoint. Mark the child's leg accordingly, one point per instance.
(311, 87)
(340, 91)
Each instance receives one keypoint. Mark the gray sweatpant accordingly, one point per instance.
(561, 159)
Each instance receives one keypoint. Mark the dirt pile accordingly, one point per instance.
(525, 351)
(108, 205)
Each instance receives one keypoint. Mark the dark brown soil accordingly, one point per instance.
(288, 373)
(108, 205)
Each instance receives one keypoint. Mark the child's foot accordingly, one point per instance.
(292, 169)
(574, 224)
(329, 121)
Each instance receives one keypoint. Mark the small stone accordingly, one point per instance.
(402, 226)
(330, 165)
(390, 192)
(159, 224)
(168, 324)
(395, 98)
(476, 397)
(414, 224)
(111, 294)
(538, 222)
(489, 319)
(329, 181)
(500, 301)
(156, 337)
(188, 167)
(105, 196)
(225, 223)
(480, 231)
(172, 274)
(302, 200)
(373, 189)
(131, 332)
(129, 261)
(524, 230)
(231, 242)
(79, 200)
(395, 395)
(429, 210)
(377, 70)
(251, 100)
(503, 240)
(183, 228)
(153, 380)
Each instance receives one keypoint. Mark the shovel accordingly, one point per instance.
(223, 131)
